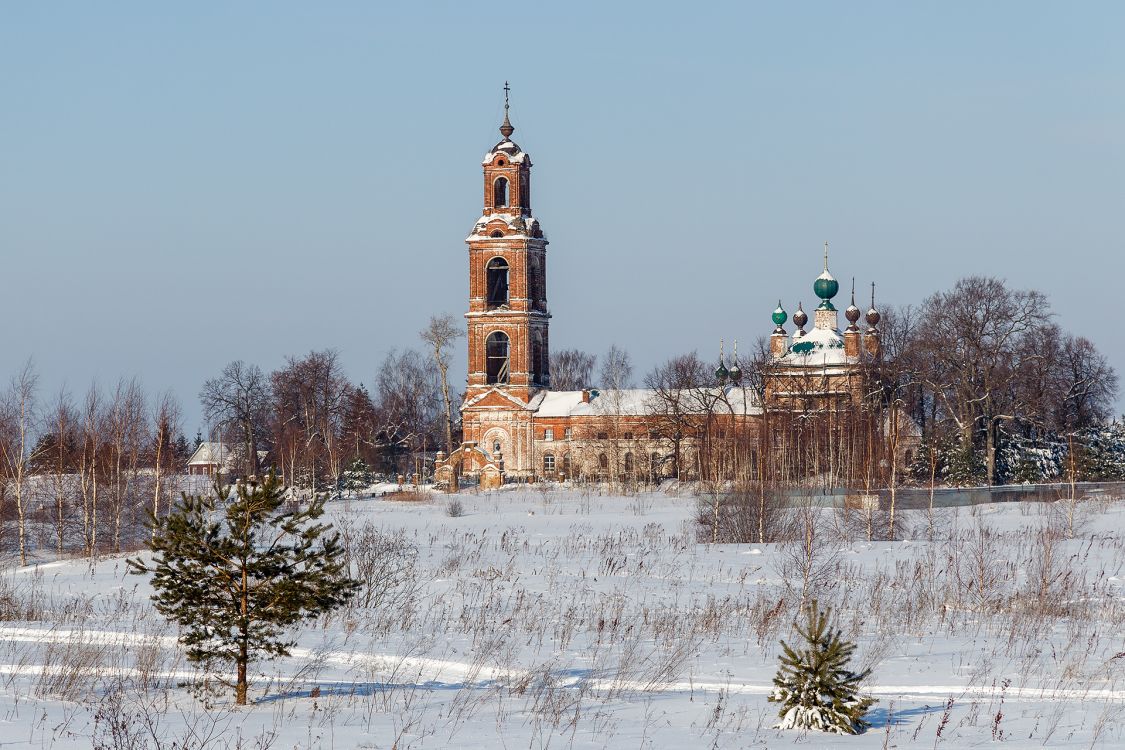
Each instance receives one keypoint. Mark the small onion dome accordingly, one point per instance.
(735, 373)
(779, 315)
(799, 317)
(873, 317)
(852, 314)
(721, 373)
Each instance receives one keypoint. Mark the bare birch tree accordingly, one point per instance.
(60, 463)
(440, 334)
(18, 416)
(165, 426)
(126, 428)
(571, 369)
(89, 469)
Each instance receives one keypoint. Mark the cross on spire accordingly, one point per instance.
(506, 129)
(826, 255)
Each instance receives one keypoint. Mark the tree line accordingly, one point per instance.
(80, 474)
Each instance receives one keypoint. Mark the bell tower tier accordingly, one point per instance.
(507, 317)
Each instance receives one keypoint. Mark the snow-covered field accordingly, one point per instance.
(559, 618)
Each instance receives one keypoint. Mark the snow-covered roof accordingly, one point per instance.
(517, 226)
(211, 453)
(638, 402)
(509, 147)
(820, 347)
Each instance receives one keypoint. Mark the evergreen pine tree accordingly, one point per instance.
(1100, 452)
(181, 450)
(814, 686)
(964, 465)
(920, 468)
(357, 476)
(237, 574)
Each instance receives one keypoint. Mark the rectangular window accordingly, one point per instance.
(628, 436)
(568, 434)
(603, 435)
(548, 434)
(653, 435)
(549, 463)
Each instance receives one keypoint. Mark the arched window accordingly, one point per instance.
(496, 354)
(500, 192)
(654, 460)
(497, 282)
(566, 464)
(603, 461)
(538, 374)
(629, 463)
(548, 463)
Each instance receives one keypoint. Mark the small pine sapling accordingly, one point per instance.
(237, 573)
(813, 684)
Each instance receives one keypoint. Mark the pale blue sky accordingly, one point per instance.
(185, 185)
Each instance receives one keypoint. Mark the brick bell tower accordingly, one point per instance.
(507, 317)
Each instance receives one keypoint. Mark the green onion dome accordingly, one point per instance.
(721, 373)
(826, 288)
(779, 315)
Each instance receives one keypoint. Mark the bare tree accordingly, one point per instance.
(125, 420)
(616, 378)
(18, 415)
(60, 459)
(89, 466)
(239, 398)
(165, 425)
(441, 333)
(672, 406)
(571, 370)
(1085, 384)
(969, 354)
(407, 405)
(309, 396)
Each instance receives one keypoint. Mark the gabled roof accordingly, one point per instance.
(211, 453)
(496, 397)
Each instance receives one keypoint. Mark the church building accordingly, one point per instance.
(516, 427)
